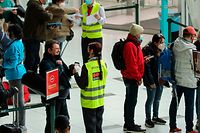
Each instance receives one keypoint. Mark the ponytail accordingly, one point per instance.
(96, 46)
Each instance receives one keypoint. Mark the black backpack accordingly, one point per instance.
(117, 54)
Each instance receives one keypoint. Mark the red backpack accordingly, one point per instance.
(26, 93)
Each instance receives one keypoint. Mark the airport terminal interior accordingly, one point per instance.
(116, 27)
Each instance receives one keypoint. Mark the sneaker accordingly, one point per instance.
(194, 131)
(125, 127)
(149, 124)
(174, 130)
(134, 128)
(157, 120)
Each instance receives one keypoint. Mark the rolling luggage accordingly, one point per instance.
(11, 128)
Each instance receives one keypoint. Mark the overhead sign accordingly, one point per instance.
(52, 84)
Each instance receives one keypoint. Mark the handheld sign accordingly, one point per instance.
(52, 84)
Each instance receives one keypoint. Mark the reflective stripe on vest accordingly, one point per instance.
(94, 30)
(93, 95)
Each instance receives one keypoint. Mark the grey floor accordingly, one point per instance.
(115, 91)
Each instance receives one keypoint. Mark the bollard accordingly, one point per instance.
(52, 114)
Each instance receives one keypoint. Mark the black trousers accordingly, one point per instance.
(61, 109)
(32, 58)
(84, 45)
(93, 119)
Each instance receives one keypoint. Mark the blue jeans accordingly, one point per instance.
(189, 107)
(130, 101)
(153, 97)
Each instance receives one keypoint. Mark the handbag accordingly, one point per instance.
(10, 128)
(70, 36)
(35, 82)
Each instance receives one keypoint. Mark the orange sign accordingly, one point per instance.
(52, 84)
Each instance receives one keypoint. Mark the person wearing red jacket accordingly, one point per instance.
(132, 75)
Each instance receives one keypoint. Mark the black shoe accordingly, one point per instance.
(125, 127)
(134, 128)
(149, 124)
(158, 121)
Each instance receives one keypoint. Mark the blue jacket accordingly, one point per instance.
(12, 60)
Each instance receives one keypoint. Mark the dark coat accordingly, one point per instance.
(151, 68)
(197, 44)
(49, 63)
(35, 22)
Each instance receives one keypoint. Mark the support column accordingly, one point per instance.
(164, 17)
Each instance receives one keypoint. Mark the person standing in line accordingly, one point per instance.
(62, 124)
(197, 44)
(52, 60)
(92, 83)
(186, 82)
(59, 11)
(34, 32)
(91, 30)
(132, 76)
(14, 69)
(151, 81)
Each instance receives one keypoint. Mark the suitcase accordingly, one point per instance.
(26, 93)
(11, 128)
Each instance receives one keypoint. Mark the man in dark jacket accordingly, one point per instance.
(132, 76)
(51, 60)
(34, 32)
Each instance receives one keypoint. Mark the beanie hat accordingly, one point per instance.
(136, 29)
(61, 122)
(189, 30)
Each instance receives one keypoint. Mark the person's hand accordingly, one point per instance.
(97, 16)
(77, 16)
(153, 86)
(148, 58)
(59, 62)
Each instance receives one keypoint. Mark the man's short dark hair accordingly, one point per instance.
(61, 123)
(49, 44)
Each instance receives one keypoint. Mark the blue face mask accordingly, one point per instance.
(141, 38)
(88, 2)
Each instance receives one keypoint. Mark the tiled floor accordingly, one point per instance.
(115, 91)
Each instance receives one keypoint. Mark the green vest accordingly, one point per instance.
(94, 30)
(93, 95)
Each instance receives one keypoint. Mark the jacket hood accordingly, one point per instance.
(182, 44)
(133, 39)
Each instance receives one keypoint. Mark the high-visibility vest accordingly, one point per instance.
(93, 30)
(93, 95)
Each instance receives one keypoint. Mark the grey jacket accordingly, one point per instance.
(184, 67)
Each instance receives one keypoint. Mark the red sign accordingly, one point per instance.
(52, 84)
